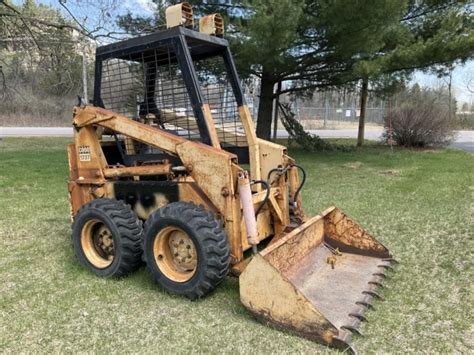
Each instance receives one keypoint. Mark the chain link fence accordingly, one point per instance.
(337, 117)
(324, 110)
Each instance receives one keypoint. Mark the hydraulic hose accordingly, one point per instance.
(267, 195)
(271, 172)
(303, 180)
(280, 171)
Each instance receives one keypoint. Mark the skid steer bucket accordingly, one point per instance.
(318, 279)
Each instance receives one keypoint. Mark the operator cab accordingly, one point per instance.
(178, 80)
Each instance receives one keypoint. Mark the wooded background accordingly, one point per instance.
(356, 53)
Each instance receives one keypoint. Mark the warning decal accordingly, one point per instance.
(84, 153)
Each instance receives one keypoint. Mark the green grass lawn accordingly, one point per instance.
(420, 204)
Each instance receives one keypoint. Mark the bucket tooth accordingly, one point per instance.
(359, 316)
(344, 342)
(365, 304)
(367, 297)
(353, 329)
(386, 266)
(391, 260)
(376, 283)
(373, 294)
(291, 284)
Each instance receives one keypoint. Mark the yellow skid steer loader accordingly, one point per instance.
(156, 174)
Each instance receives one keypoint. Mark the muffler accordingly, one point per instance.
(318, 279)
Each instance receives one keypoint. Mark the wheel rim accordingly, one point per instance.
(97, 243)
(175, 254)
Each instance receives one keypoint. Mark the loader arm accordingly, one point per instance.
(211, 168)
(144, 133)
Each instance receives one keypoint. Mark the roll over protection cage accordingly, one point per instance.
(188, 46)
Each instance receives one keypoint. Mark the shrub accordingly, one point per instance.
(24, 107)
(420, 119)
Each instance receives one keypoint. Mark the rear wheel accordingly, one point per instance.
(186, 249)
(106, 237)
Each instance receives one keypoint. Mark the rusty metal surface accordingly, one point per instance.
(351, 237)
(158, 169)
(269, 295)
(335, 291)
(254, 146)
(306, 284)
(212, 25)
(179, 15)
(213, 170)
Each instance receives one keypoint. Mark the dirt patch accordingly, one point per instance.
(353, 165)
(390, 173)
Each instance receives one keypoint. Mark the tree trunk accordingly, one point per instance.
(363, 104)
(265, 107)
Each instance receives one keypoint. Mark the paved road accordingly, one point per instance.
(35, 131)
(464, 139)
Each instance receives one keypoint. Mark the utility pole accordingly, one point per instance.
(450, 98)
(326, 109)
(84, 75)
(275, 112)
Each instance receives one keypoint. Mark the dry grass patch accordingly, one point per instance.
(389, 173)
(353, 165)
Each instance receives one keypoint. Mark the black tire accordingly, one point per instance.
(124, 229)
(211, 248)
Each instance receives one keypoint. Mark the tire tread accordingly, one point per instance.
(212, 238)
(130, 231)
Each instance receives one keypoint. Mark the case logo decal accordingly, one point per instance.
(84, 153)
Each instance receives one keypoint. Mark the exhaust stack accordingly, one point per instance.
(179, 15)
(212, 25)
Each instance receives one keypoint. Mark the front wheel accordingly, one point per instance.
(186, 249)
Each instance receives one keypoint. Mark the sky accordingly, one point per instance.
(84, 10)
(136, 7)
(462, 76)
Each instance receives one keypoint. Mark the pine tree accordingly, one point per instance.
(314, 44)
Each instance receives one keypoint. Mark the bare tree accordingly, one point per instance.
(469, 81)
(100, 27)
